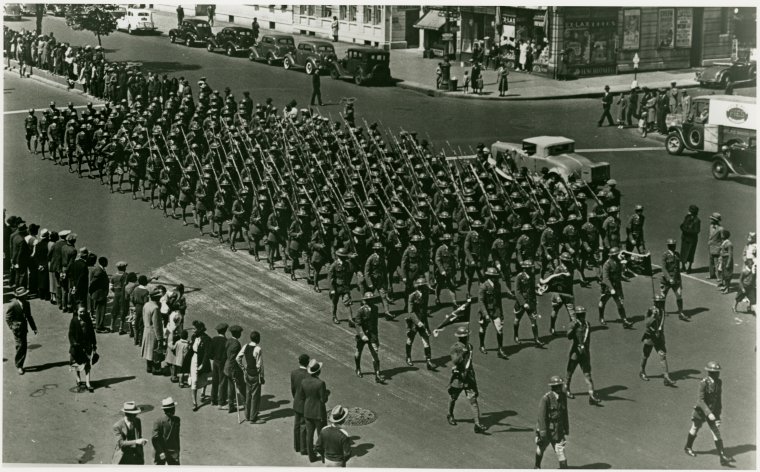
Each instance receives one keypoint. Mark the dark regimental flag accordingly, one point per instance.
(460, 315)
(640, 264)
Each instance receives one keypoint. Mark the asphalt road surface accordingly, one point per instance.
(640, 425)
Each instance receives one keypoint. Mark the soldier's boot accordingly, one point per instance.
(593, 399)
(482, 338)
(500, 342)
(537, 341)
(689, 443)
(668, 381)
(450, 415)
(358, 364)
(294, 264)
(537, 462)
(724, 459)
(626, 322)
(516, 331)
(408, 354)
(428, 362)
(681, 315)
(378, 376)
(553, 322)
(570, 394)
(563, 464)
(601, 314)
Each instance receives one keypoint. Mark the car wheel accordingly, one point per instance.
(674, 144)
(189, 42)
(724, 81)
(270, 59)
(286, 64)
(251, 56)
(719, 169)
(210, 47)
(310, 68)
(334, 73)
(171, 38)
(752, 73)
(230, 51)
(359, 77)
(129, 29)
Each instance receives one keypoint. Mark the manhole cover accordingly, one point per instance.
(358, 416)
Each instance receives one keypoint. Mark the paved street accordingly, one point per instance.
(640, 425)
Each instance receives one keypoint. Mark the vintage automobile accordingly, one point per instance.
(712, 121)
(12, 11)
(364, 66)
(191, 32)
(737, 158)
(312, 56)
(272, 48)
(554, 153)
(231, 39)
(56, 9)
(719, 74)
(135, 20)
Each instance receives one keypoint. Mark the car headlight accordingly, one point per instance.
(724, 148)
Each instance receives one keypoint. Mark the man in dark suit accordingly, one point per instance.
(55, 256)
(68, 256)
(313, 394)
(606, 105)
(18, 317)
(98, 290)
(129, 440)
(218, 356)
(78, 275)
(232, 372)
(299, 426)
(20, 255)
(316, 88)
(165, 437)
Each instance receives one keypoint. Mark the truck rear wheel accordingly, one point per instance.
(674, 144)
(719, 169)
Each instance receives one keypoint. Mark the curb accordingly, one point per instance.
(53, 81)
(432, 92)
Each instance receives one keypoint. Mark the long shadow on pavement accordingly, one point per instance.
(46, 366)
(684, 374)
(106, 383)
(268, 404)
(695, 311)
(607, 393)
(495, 418)
(390, 373)
(360, 450)
(595, 465)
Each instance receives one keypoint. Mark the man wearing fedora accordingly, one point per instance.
(98, 289)
(333, 442)
(297, 376)
(463, 378)
(129, 440)
(21, 254)
(18, 317)
(165, 437)
(714, 240)
(313, 394)
(78, 276)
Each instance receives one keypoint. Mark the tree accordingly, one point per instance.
(87, 17)
(39, 12)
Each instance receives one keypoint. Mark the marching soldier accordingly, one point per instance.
(320, 253)
(564, 286)
(376, 275)
(417, 322)
(463, 378)
(579, 333)
(472, 251)
(611, 230)
(671, 277)
(489, 297)
(571, 244)
(635, 231)
(502, 258)
(553, 425)
(548, 245)
(708, 409)
(185, 196)
(340, 275)
(275, 233)
(525, 302)
(296, 242)
(30, 126)
(367, 335)
(589, 248)
(411, 268)
(236, 222)
(445, 270)
(612, 287)
(654, 337)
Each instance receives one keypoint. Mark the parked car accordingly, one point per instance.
(28, 9)
(232, 40)
(136, 20)
(737, 158)
(272, 48)
(719, 74)
(363, 65)
(555, 153)
(12, 12)
(191, 32)
(312, 56)
(56, 9)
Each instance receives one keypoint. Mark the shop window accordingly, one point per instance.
(312, 10)
(325, 11)
(367, 15)
(377, 16)
(352, 13)
(343, 12)
(302, 9)
(725, 19)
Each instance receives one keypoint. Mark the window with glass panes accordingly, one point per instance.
(352, 13)
(377, 15)
(367, 15)
(325, 11)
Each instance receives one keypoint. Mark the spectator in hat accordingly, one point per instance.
(18, 317)
(39, 267)
(99, 287)
(119, 307)
(129, 440)
(31, 240)
(299, 425)
(55, 266)
(68, 256)
(200, 362)
(20, 256)
(82, 346)
(690, 228)
(726, 264)
(313, 393)
(232, 372)
(218, 356)
(606, 106)
(166, 435)
(78, 275)
(714, 239)
(333, 442)
(137, 299)
(153, 332)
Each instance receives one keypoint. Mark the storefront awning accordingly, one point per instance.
(431, 21)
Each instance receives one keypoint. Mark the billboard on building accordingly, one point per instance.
(684, 22)
(665, 28)
(631, 29)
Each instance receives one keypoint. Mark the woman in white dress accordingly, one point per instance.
(200, 363)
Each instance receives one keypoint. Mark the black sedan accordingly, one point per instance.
(232, 40)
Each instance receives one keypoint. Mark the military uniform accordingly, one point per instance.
(445, 271)
(708, 409)
(671, 276)
(654, 338)
(463, 380)
(635, 232)
(340, 274)
(612, 287)
(552, 427)
(579, 333)
(417, 324)
(367, 334)
(525, 302)
(489, 298)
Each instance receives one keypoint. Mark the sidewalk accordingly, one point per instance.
(415, 73)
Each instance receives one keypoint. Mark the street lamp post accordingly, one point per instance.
(635, 65)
